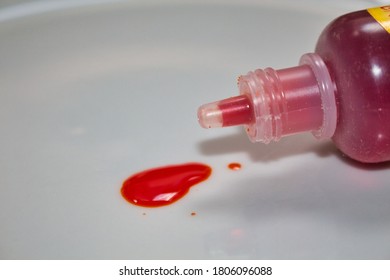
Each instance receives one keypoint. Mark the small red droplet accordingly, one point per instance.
(234, 166)
(193, 213)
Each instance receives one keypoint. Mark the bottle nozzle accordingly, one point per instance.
(228, 112)
(273, 103)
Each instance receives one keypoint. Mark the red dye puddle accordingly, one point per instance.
(193, 213)
(234, 166)
(163, 185)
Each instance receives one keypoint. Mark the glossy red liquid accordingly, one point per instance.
(236, 111)
(164, 185)
(234, 166)
(356, 50)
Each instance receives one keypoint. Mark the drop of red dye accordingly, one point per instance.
(193, 213)
(234, 166)
(163, 185)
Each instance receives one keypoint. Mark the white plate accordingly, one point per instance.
(94, 92)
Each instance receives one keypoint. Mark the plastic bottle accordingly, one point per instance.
(342, 91)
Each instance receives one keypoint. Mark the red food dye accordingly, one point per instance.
(193, 213)
(163, 185)
(236, 110)
(234, 166)
(356, 48)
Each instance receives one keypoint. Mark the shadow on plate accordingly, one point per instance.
(289, 146)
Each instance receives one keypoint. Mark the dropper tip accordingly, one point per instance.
(210, 115)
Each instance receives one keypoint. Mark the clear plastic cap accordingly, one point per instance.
(274, 103)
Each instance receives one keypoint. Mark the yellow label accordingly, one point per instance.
(382, 16)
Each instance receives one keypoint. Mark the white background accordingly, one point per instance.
(92, 93)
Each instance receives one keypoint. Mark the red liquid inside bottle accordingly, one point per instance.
(342, 91)
(356, 50)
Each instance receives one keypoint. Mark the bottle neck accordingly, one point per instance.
(290, 101)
